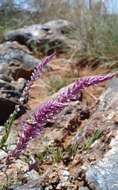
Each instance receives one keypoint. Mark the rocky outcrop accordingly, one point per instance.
(47, 37)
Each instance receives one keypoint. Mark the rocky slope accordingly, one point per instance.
(77, 151)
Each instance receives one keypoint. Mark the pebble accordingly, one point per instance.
(32, 175)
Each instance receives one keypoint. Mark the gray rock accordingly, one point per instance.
(32, 175)
(16, 61)
(2, 154)
(103, 175)
(48, 35)
(58, 24)
(110, 96)
(19, 84)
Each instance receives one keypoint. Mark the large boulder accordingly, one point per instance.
(47, 37)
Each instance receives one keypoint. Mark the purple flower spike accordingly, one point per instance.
(50, 109)
(73, 89)
(35, 75)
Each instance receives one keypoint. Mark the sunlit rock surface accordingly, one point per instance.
(103, 175)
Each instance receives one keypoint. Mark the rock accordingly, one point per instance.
(32, 175)
(64, 175)
(110, 96)
(59, 25)
(47, 36)
(3, 154)
(19, 84)
(16, 61)
(103, 174)
(31, 179)
(21, 165)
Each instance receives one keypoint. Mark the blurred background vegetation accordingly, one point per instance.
(96, 21)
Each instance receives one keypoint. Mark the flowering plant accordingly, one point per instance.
(48, 110)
